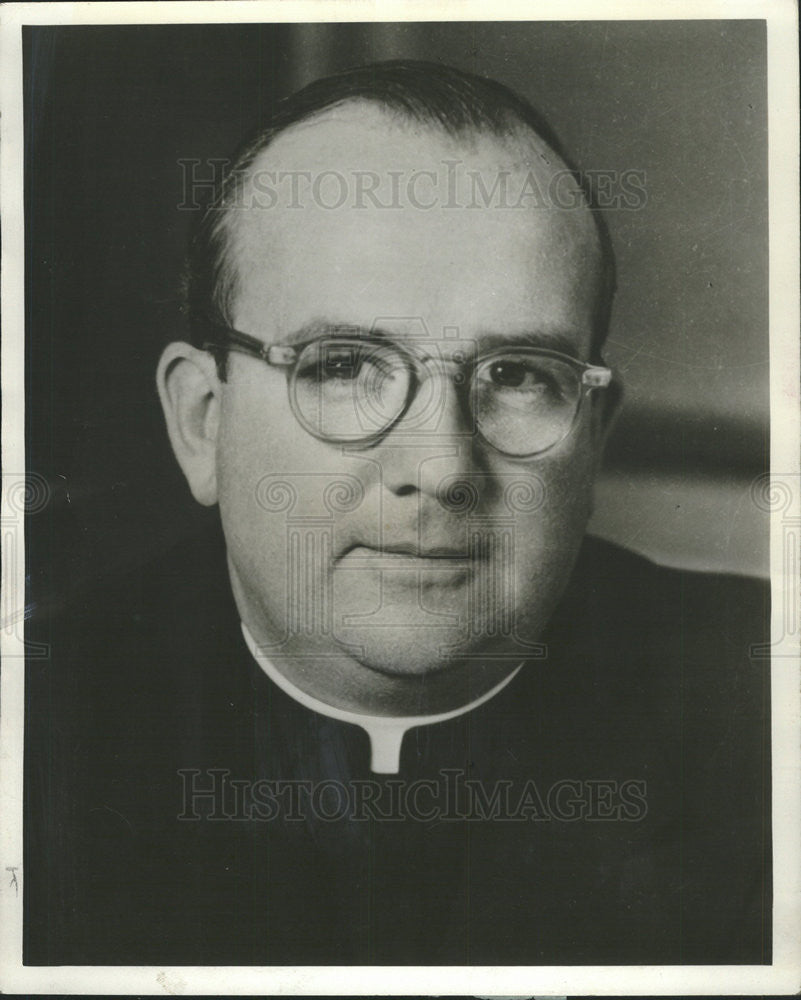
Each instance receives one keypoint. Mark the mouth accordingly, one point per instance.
(408, 556)
(421, 552)
(407, 550)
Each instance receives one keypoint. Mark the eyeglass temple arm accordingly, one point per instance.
(235, 340)
(595, 377)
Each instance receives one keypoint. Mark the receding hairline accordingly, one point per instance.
(518, 138)
(511, 129)
(530, 151)
(443, 100)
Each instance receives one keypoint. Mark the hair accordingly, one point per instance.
(457, 103)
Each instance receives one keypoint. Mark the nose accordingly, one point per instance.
(434, 441)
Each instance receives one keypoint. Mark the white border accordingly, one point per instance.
(784, 976)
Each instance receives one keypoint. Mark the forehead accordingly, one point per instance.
(357, 216)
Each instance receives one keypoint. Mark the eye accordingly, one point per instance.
(508, 373)
(523, 375)
(344, 363)
(326, 363)
(365, 367)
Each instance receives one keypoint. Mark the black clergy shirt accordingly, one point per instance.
(609, 806)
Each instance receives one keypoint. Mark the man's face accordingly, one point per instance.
(372, 574)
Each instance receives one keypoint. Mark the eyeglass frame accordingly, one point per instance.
(286, 355)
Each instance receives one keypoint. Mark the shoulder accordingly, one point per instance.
(149, 607)
(674, 672)
(629, 590)
(688, 650)
(608, 560)
(147, 650)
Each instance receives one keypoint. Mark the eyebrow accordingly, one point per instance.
(562, 341)
(550, 340)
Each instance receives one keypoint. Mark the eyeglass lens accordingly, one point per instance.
(522, 403)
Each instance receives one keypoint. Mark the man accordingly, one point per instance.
(419, 719)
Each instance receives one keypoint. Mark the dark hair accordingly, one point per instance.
(456, 102)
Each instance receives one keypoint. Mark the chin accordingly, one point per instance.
(404, 630)
(416, 651)
(398, 652)
(398, 631)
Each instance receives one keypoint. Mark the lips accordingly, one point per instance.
(407, 566)
(420, 552)
(407, 550)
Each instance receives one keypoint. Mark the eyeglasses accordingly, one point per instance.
(522, 401)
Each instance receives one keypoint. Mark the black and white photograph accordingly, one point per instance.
(401, 529)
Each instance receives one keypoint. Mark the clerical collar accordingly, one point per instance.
(385, 732)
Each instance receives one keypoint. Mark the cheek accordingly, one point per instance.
(257, 436)
(271, 474)
(568, 481)
(261, 468)
(252, 447)
(547, 536)
(558, 498)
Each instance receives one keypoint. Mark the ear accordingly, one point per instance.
(190, 391)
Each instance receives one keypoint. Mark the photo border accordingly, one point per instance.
(783, 493)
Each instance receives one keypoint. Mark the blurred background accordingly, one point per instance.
(112, 111)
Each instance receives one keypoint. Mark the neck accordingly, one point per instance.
(385, 733)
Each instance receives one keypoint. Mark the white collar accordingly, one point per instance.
(385, 732)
